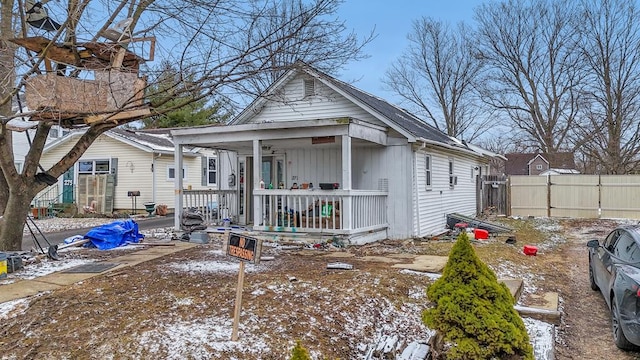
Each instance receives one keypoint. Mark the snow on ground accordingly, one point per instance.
(202, 338)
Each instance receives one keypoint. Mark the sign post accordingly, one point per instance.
(247, 249)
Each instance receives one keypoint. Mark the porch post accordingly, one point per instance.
(346, 180)
(178, 203)
(257, 174)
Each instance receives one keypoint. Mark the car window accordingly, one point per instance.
(626, 247)
(610, 242)
(634, 253)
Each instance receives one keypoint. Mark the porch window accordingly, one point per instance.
(453, 180)
(427, 167)
(94, 167)
(212, 172)
(171, 173)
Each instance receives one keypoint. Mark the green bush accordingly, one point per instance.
(299, 352)
(474, 312)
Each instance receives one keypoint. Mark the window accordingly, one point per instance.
(611, 240)
(427, 167)
(626, 248)
(212, 173)
(539, 167)
(94, 167)
(453, 180)
(171, 173)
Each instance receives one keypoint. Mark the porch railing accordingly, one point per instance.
(334, 211)
(215, 205)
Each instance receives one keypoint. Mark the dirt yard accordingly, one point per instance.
(181, 306)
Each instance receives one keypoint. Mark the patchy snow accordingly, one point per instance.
(44, 267)
(541, 335)
(509, 270)
(210, 337)
(214, 266)
(13, 308)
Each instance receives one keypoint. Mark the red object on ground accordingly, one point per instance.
(530, 250)
(461, 225)
(481, 234)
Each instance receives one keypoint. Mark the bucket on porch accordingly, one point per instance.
(3, 265)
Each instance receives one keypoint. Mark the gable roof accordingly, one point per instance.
(153, 140)
(401, 120)
(518, 163)
(398, 116)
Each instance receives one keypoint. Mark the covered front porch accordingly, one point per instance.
(304, 182)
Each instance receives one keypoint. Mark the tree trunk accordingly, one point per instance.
(14, 214)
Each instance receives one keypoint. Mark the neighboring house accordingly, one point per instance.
(24, 131)
(537, 164)
(384, 173)
(121, 162)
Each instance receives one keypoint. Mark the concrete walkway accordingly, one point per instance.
(25, 288)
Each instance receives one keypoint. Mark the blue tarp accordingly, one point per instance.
(115, 234)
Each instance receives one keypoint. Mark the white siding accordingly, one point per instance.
(326, 104)
(432, 206)
(373, 166)
(314, 165)
(227, 165)
(165, 187)
(134, 171)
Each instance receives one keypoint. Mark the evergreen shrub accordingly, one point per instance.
(473, 314)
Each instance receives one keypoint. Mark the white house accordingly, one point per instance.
(24, 132)
(386, 173)
(121, 163)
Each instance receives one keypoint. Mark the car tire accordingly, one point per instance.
(592, 280)
(618, 335)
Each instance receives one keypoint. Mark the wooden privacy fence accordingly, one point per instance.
(585, 196)
(492, 195)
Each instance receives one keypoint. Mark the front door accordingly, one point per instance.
(67, 186)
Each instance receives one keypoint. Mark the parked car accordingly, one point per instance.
(614, 269)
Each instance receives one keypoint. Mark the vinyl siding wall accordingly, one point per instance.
(140, 178)
(388, 168)
(326, 104)
(313, 165)
(432, 206)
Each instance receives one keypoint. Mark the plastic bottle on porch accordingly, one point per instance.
(261, 184)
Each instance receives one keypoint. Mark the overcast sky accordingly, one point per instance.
(392, 22)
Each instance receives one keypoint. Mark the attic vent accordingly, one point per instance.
(309, 88)
(383, 184)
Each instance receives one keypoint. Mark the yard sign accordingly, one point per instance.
(244, 248)
(247, 249)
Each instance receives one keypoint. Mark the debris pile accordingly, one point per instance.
(192, 220)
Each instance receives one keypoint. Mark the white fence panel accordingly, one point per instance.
(574, 195)
(528, 195)
(619, 198)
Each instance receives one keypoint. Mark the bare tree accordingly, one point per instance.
(534, 72)
(610, 140)
(437, 74)
(327, 46)
(218, 43)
